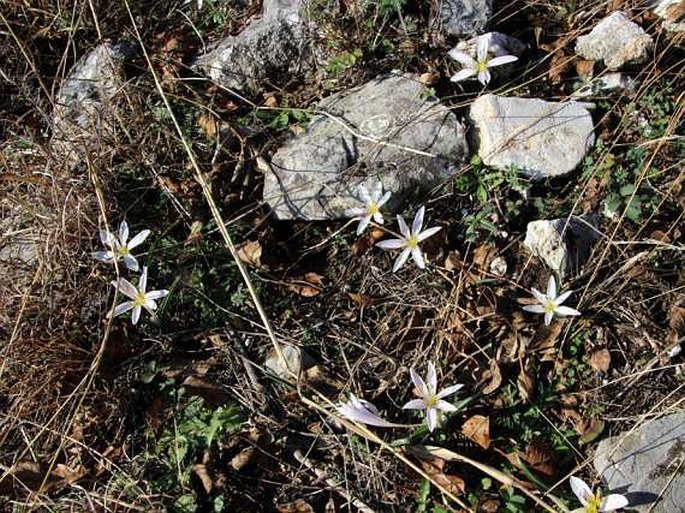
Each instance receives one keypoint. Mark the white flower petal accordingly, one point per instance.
(539, 295)
(551, 287)
(404, 229)
(156, 294)
(107, 238)
(401, 260)
(123, 232)
(429, 232)
(432, 419)
(417, 257)
(418, 221)
(384, 199)
(548, 318)
(482, 43)
(449, 390)
(378, 217)
(565, 310)
(126, 287)
(122, 308)
(142, 282)
(462, 74)
(613, 502)
(431, 378)
(131, 262)
(391, 244)
(363, 224)
(138, 239)
(484, 77)
(563, 297)
(538, 309)
(581, 489)
(445, 406)
(418, 382)
(504, 59)
(462, 58)
(136, 315)
(415, 404)
(104, 256)
(150, 305)
(377, 191)
(362, 412)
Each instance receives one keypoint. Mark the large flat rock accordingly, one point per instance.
(542, 139)
(389, 129)
(465, 17)
(647, 465)
(272, 49)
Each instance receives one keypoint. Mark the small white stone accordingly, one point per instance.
(617, 41)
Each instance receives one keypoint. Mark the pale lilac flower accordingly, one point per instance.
(373, 201)
(139, 298)
(363, 412)
(429, 398)
(594, 502)
(120, 248)
(479, 67)
(410, 241)
(550, 303)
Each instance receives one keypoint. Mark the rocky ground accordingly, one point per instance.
(239, 236)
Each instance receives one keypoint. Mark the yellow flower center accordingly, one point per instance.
(123, 251)
(373, 208)
(431, 401)
(482, 66)
(140, 299)
(550, 306)
(594, 503)
(413, 242)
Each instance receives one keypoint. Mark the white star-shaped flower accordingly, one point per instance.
(410, 241)
(481, 66)
(139, 297)
(550, 303)
(373, 201)
(594, 502)
(363, 412)
(120, 248)
(429, 398)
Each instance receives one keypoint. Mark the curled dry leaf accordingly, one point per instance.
(540, 456)
(526, 384)
(309, 285)
(495, 376)
(589, 430)
(299, 506)
(600, 360)
(477, 429)
(434, 467)
(208, 124)
(202, 473)
(250, 252)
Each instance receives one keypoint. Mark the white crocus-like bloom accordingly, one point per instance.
(410, 241)
(363, 412)
(120, 248)
(429, 398)
(139, 297)
(594, 502)
(373, 201)
(481, 66)
(550, 303)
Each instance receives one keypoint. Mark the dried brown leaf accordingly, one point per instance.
(600, 360)
(526, 384)
(589, 430)
(250, 252)
(208, 124)
(495, 378)
(309, 285)
(540, 456)
(299, 506)
(452, 483)
(477, 429)
(202, 473)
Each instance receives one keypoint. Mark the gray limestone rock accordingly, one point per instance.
(389, 129)
(272, 48)
(465, 17)
(84, 114)
(617, 41)
(542, 139)
(647, 465)
(673, 14)
(563, 244)
(608, 84)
